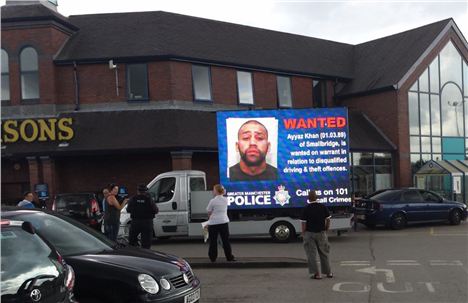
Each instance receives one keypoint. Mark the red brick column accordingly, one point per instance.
(49, 176)
(34, 172)
(181, 160)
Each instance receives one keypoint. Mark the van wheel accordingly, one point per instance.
(398, 221)
(455, 217)
(282, 232)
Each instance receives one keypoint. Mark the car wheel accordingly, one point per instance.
(282, 232)
(455, 217)
(398, 221)
(370, 225)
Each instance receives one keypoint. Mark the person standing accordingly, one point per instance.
(28, 199)
(112, 213)
(315, 223)
(218, 223)
(142, 212)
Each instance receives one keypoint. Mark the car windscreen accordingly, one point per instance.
(25, 256)
(387, 196)
(68, 236)
(72, 202)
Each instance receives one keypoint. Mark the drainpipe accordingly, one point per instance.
(77, 87)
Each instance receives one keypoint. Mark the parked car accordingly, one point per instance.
(83, 207)
(398, 207)
(32, 270)
(106, 271)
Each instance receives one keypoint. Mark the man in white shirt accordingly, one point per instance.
(27, 200)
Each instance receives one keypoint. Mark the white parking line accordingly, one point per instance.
(445, 263)
(355, 263)
(403, 262)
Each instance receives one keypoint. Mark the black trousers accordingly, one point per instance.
(143, 227)
(223, 231)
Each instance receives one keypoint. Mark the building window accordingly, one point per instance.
(245, 88)
(284, 91)
(137, 82)
(438, 110)
(201, 82)
(371, 172)
(29, 68)
(5, 77)
(318, 94)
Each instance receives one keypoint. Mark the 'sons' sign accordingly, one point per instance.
(37, 130)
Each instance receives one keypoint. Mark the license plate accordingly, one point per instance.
(360, 217)
(193, 297)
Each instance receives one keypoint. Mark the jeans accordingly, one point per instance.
(112, 230)
(313, 243)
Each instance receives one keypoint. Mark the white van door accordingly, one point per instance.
(167, 197)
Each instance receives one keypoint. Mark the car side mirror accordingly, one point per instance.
(174, 205)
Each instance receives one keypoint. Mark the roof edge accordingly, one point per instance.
(196, 61)
(450, 25)
(380, 131)
(41, 18)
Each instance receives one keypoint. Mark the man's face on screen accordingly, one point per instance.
(253, 143)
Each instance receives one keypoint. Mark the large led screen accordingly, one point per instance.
(272, 158)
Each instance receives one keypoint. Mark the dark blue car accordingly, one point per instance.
(396, 208)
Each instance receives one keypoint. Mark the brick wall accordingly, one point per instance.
(46, 40)
(224, 85)
(265, 93)
(91, 173)
(302, 92)
(208, 163)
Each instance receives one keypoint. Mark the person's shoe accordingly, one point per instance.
(316, 277)
(233, 259)
(330, 275)
(212, 261)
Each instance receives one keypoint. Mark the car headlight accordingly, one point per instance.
(148, 283)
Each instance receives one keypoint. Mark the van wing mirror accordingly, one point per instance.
(174, 205)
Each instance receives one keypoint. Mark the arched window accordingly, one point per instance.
(5, 76)
(29, 74)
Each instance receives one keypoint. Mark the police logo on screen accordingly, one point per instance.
(282, 196)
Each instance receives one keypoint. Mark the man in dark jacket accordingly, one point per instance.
(142, 211)
(315, 223)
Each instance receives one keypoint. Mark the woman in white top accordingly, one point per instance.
(218, 223)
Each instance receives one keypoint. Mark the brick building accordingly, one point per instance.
(93, 99)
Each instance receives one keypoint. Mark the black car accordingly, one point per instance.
(32, 270)
(83, 207)
(397, 207)
(106, 271)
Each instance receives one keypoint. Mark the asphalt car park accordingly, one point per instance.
(422, 263)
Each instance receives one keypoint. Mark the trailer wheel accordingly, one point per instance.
(282, 232)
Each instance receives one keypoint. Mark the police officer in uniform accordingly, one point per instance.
(142, 211)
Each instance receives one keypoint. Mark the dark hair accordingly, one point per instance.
(27, 193)
(312, 196)
(252, 122)
(111, 186)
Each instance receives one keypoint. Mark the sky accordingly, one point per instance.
(344, 21)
